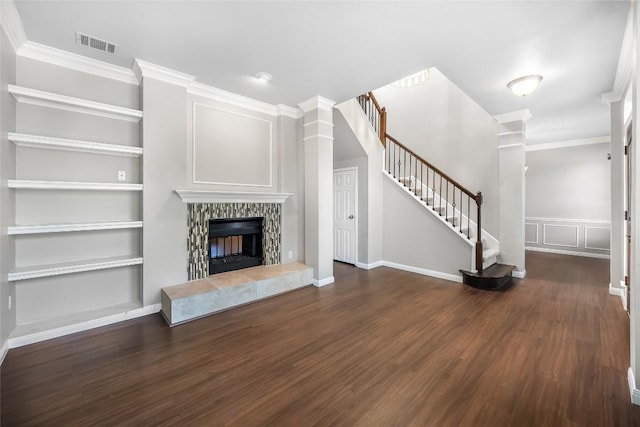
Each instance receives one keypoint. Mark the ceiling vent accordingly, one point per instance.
(95, 43)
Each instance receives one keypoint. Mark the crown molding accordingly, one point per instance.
(514, 116)
(74, 61)
(215, 94)
(285, 110)
(626, 64)
(157, 72)
(316, 103)
(12, 24)
(569, 143)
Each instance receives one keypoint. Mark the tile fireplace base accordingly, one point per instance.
(198, 298)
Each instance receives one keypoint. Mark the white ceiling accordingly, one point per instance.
(339, 49)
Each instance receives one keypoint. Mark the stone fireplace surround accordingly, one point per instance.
(203, 205)
(198, 216)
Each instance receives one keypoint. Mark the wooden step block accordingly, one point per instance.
(497, 277)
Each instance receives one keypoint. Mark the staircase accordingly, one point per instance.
(457, 207)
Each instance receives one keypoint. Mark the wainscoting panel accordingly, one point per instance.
(560, 235)
(198, 215)
(531, 233)
(597, 238)
(568, 236)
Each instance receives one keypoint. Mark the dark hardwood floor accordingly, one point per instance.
(377, 348)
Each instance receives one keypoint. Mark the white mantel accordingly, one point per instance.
(208, 196)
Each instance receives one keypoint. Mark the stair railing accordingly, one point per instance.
(436, 189)
(377, 116)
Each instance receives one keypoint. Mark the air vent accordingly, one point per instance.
(94, 42)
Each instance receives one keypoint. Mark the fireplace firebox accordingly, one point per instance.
(234, 243)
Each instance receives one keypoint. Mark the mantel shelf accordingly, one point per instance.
(208, 196)
(46, 142)
(54, 100)
(67, 185)
(63, 228)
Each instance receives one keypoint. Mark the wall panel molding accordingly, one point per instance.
(546, 232)
(252, 157)
(586, 238)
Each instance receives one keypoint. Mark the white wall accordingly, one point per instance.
(442, 124)
(414, 237)
(164, 170)
(7, 171)
(568, 199)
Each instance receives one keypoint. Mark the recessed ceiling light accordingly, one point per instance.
(263, 77)
(523, 86)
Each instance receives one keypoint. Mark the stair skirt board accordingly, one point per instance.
(498, 277)
(435, 208)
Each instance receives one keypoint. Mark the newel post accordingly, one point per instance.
(479, 250)
(383, 127)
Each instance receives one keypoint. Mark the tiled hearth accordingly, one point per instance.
(199, 298)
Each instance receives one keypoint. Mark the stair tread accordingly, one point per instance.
(487, 253)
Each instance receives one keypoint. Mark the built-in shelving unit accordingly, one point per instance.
(69, 185)
(98, 272)
(46, 142)
(47, 270)
(63, 228)
(53, 100)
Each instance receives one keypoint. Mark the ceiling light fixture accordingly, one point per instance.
(413, 80)
(263, 77)
(523, 86)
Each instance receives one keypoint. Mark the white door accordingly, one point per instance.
(345, 221)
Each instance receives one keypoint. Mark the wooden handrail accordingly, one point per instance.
(375, 102)
(438, 171)
(381, 126)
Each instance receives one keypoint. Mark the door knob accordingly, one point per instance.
(351, 217)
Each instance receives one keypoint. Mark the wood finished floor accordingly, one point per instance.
(377, 348)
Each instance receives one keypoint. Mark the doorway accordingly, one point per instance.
(345, 215)
(627, 213)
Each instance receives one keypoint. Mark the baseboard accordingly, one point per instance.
(423, 271)
(370, 266)
(323, 282)
(633, 391)
(82, 326)
(3, 351)
(620, 292)
(565, 252)
(519, 274)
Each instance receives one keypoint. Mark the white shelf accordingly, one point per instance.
(68, 185)
(62, 228)
(63, 102)
(36, 141)
(33, 272)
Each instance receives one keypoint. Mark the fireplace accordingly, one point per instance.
(234, 243)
